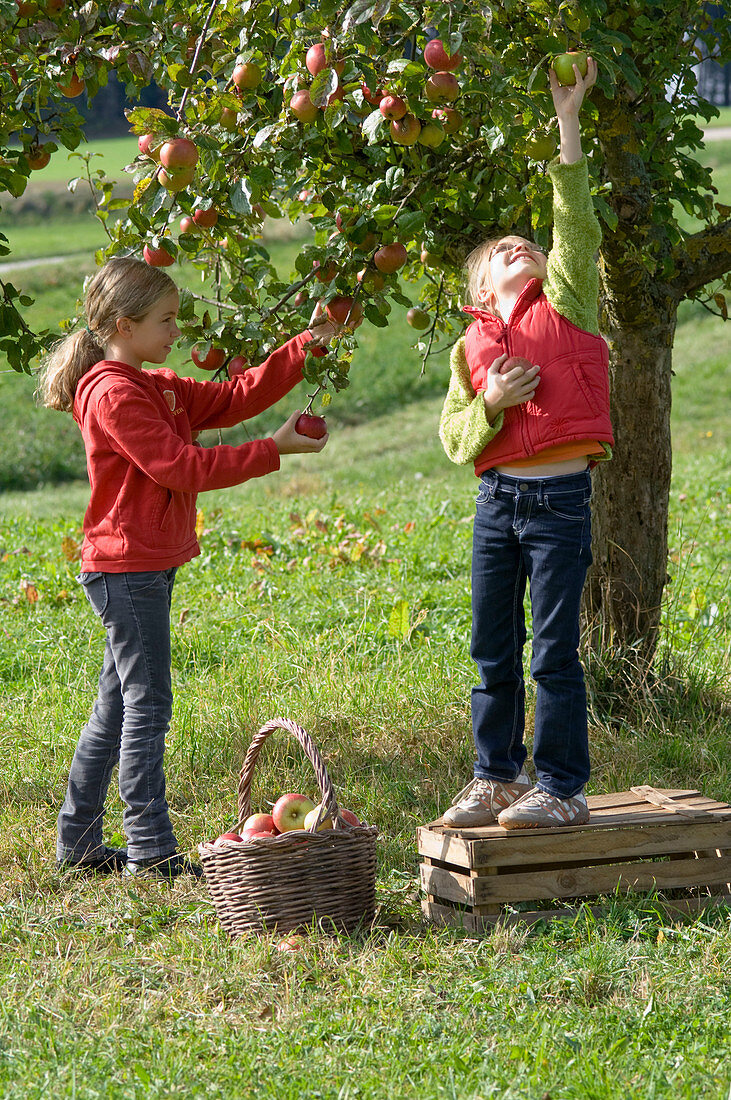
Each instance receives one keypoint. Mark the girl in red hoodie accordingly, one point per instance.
(528, 403)
(145, 470)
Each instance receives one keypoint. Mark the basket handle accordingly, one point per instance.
(328, 801)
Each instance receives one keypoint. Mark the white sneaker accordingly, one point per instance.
(540, 810)
(480, 802)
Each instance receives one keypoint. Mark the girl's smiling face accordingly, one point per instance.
(509, 267)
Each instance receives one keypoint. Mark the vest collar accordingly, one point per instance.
(528, 294)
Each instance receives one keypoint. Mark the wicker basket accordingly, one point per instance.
(298, 878)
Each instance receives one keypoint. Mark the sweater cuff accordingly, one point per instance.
(273, 455)
(318, 352)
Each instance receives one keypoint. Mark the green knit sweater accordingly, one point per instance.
(572, 288)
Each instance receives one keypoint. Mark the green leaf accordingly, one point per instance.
(398, 620)
(240, 196)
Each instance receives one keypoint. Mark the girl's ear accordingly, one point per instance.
(124, 326)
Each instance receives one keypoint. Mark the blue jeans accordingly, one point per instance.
(537, 530)
(128, 722)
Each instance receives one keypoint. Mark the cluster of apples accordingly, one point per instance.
(290, 812)
(441, 89)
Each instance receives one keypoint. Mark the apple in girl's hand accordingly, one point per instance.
(516, 361)
(258, 823)
(312, 426)
(290, 810)
(563, 66)
(311, 818)
(340, 308)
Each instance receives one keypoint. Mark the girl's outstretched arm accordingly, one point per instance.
(567, 101)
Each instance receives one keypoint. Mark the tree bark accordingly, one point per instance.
(624, 590)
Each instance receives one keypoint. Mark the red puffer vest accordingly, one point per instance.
(572, 398)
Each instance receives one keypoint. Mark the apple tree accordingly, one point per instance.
(402, 134)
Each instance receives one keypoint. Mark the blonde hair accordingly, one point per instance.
(477, 271)
(123, 287)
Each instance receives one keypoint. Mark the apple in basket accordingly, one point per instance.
(259, 825)
(226, 838)
(348, 816)
(289, 811)
(326, 823)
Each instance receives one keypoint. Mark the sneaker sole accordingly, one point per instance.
(511, 825)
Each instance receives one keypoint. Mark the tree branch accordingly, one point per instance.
(701, 258)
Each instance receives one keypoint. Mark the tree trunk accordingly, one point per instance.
(624, 590)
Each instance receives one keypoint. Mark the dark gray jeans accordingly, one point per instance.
(128, 722)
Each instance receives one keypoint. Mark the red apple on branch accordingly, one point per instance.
(205, 218)
(442, 88)
(247, 76)
(149, 147)
(157, 257)
(213, 359)
(418, 318)
(176, 179)
(437, 57)
(302, 106)
(38, 157)
(238, 365)
(314, 427)
(290, 811)
(187, 225)
(374, 98)
(72, 87)
(179, 154)
(390, 257)
(406, 130)
(450, 119)
(316, 60)
(392, 107)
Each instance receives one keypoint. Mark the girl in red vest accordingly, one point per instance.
(145, 471)
(528, 403)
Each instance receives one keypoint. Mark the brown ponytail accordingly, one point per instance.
(123, 287)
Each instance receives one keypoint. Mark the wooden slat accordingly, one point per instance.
(472, 922)
(574, 882)
(551, 845)
(646, 840)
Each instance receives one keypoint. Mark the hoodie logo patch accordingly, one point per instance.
(169, 396)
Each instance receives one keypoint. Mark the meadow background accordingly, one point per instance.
(337, 593)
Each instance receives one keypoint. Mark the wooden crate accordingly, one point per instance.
(675, 842)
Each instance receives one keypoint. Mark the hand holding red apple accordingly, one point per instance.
(291, 442)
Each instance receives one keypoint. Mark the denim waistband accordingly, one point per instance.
(512, 484)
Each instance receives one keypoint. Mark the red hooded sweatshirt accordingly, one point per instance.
(145, 470)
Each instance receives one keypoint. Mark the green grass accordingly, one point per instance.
(114, 991)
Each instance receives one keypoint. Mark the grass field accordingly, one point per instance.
(295, 606)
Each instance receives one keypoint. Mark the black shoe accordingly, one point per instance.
(106, 861)
(165, 868)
